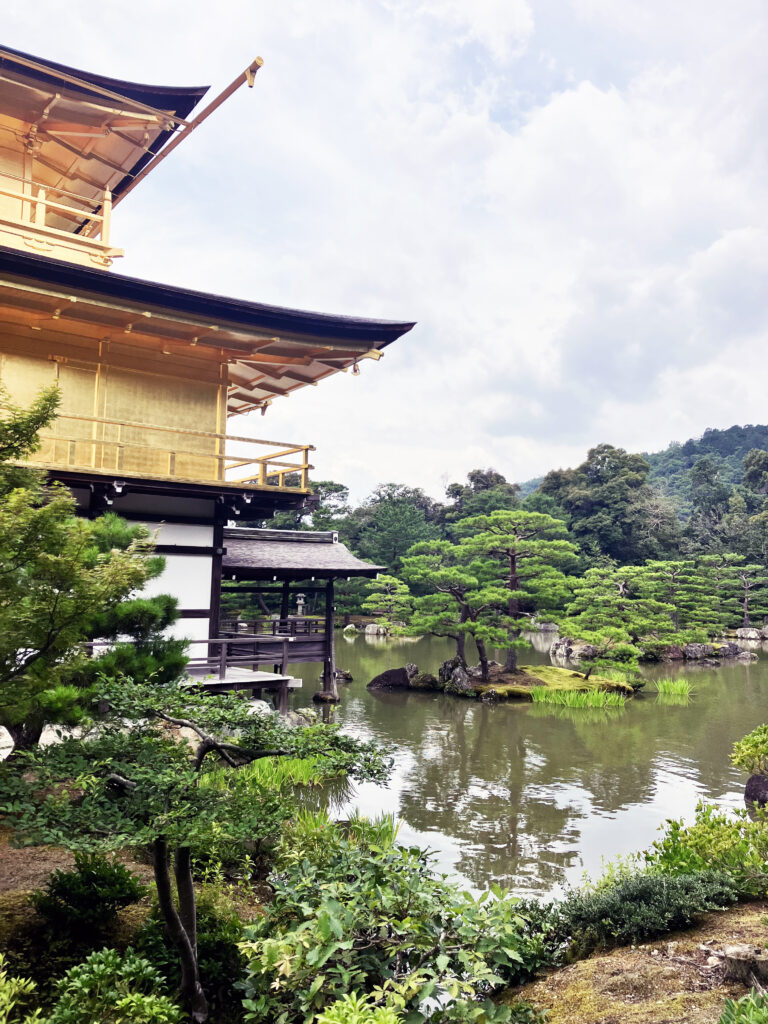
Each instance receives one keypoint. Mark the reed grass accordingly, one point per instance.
(674, 687)
(578, 698)
(274, 773)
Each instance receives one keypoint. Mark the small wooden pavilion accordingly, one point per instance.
(289, 565)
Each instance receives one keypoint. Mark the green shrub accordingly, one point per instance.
(88, 897)
(379, 921)
(15, 993)
(221, 964)
(750, 1009)
(751, 752)
(356, 1009)
(314, 836)
(638, 908)
(108, 988)
(728, 841)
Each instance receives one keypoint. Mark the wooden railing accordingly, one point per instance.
(296, 626)
(37, 206)
(146, 449)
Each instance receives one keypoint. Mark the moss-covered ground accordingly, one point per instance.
(677, 980)
(518, 685)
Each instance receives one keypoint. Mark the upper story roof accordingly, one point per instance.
(87, 132)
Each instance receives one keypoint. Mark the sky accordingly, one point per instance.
(569, 196)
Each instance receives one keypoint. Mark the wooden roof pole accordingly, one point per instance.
(247, 76)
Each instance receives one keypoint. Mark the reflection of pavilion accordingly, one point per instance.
(149, 374)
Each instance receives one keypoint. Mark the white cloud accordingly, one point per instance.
(572, 205)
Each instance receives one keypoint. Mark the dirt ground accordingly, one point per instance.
(28, 868)
(677, 980)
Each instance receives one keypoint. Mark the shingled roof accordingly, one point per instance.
(289, 554)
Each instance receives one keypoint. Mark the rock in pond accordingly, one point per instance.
(756, 790)
(695, 651)
(391, 679)
(749, 633)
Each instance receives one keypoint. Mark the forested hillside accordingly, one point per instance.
(669, 467)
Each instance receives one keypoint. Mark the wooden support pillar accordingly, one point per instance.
(284, 602)
(330, 689)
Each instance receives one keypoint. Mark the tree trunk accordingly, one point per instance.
(745, 608)
(26, 735)
(510, 662)
(190, 989)
(588, 673)
(461, 638)
(182, 869)
(483, 655)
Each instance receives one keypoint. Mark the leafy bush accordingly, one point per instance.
(108, 988)
(638, 908)
(88, 897)
(728, 841)
(356, 1009)
(751, 752)
(380, 922)
(14, 994)
(314, 836)
(219, 930)
(750, 1009)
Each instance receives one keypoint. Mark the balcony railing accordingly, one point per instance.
(172, 453)
(33, 212)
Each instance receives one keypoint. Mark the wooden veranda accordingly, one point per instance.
(281, 565)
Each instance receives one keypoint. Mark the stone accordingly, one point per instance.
(391, 679)
(460, 682)
(695, 651)
(748, 633)
(756, 791)
(300, 719)
(745, 964)
(350, 630)
(746, 656)
(445, 671)
(374, 629)
(426, 681)
(565, 648)
(672, 653)
(412, 670)
(709, 663)
(727, 650)
(324, 697)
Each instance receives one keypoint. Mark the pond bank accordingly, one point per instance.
(679, 978)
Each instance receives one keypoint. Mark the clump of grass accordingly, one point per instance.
(578, 698)
(274, 773)
(674, 687)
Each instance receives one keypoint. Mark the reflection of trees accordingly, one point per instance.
(509, 784)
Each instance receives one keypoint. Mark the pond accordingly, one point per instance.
(532, 797)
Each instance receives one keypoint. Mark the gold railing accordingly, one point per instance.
(36, 204)
(172, 453)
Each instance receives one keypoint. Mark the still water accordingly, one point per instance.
(533, 797)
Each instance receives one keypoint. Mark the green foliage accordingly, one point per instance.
(378, 921)
(676, 687)
(108, 988)
(485, 491)
(15, 994)
(388, 523)
(751, 752)
(314, 836)
(219, 930)
(728, 842)
(90, 896)
(390, 599)
(612, 510)
(750, 1009)
(638, 908)
(356, 1009)
(578, 698)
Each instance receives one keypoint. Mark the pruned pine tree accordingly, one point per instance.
(464, 598)
(528, 551)
(390, 600)
(65, 581)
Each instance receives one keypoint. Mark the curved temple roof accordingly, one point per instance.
(158, 321)
(288, 554)
(89, 131)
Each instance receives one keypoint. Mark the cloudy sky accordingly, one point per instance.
(568, 195)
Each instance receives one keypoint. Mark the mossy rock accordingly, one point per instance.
(426, 681)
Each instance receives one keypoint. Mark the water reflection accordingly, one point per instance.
(532, 796)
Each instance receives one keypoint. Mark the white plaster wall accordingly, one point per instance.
(181, 533)
(187, 577)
